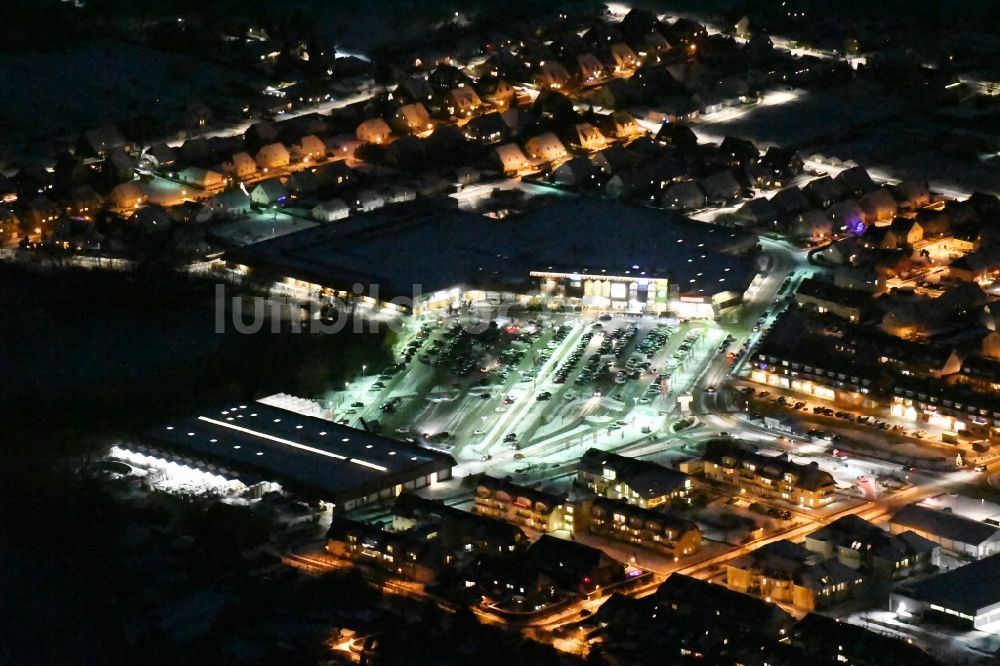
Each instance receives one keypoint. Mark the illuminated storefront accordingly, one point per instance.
(623, 293)
(809, 387)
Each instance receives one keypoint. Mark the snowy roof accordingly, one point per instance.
(439, 248)
(302, 451)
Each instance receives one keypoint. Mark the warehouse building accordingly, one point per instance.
(967, 597)
(574, 253)
(253, 443)
(953, 532)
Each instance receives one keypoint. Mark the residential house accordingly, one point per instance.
(373, 130)
(643, 183)
(273, 156)
(708, 605)
(119, 165)
(530, 508)
(98, 142)
(673, 109)
(309, 148)
(512, 160)
(487, 129)
(653, 46)
(464, 101)
(612, 160)
(551, 74)
(951, 531)
(904, 232)
(855, 181)
(847, 216)
(684, 196)
(771, 477)
(457, 530)
(859, 544)
(397, 553)
(573, 566)
(911, 194)
(879, 206)
(782, 164)
(823, 192)
(644, 484)
(737, 151)
(664, 533)
(786, 572)
(41, 214)
(546, 147)
(590, 67)
(790, 201)
(269, 192)
(335, 174)
(678, 136)
(231, 203)
(721, 188)
(577, 172)
(83, 202)
(331, 211)
(203, 179)
(303, 182)
(127, 196)
(10, 225)
(811, 225)
(242, 166)
(758, 213)
(826, 297)
(413, 119)
(982, 265)
(259, 134)
(368, 200)
(708, 102)
(623, 59)
(496, 91)
(589, 138)
(616, 94)
(622, 126)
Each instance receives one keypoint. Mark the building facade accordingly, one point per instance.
(769, 477)
(644, 484)
(657, 531)
(520, 505)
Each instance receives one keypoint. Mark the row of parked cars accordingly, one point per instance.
(573, 359)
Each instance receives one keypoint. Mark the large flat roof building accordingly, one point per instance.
(253, 442)
(953, 532)
(968, 596)
(586, 251)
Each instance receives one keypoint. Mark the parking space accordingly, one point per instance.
(505, 390)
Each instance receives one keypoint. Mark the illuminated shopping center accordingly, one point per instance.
(573, 254)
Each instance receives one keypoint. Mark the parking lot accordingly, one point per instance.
(496, 392)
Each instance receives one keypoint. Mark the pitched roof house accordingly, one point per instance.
(273, 156)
